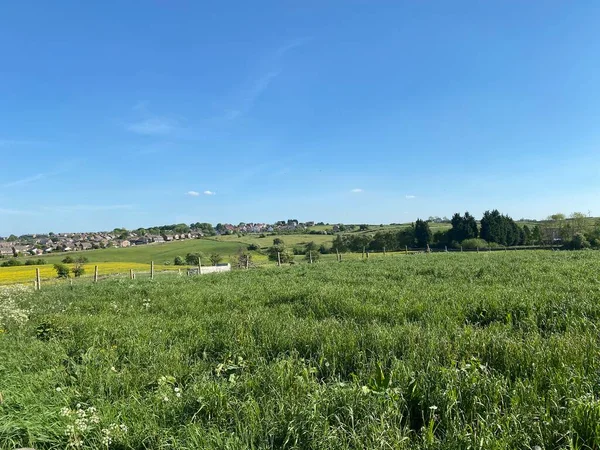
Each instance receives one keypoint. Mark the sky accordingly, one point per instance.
(141, 113)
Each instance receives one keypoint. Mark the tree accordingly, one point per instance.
(178, 261)
(215, 259)
(422, 233)
(284, 254)
(68, 260)
(278, 241)
(62, 271)
(193, 259)
(578, 242)
(312, 247)
(536, 235)
(339, 245)
(82, 260)
(363, 227)
(312, 256)
(78, 270)
(527, 235)
(12, 238)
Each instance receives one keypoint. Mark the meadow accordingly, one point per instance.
(493, 350)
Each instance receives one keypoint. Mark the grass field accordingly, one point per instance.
(488, 351)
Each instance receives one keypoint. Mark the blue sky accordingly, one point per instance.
(142, 113)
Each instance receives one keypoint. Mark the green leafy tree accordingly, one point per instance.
(78, 270)
(278, 241)
(178, 261)
(82, 260)
(527, 235)
(193, 259)
(62, 271)
(536, 235)
(339, 244)
(68, 260)
(312, 255)
(423, 233)
(215, 259)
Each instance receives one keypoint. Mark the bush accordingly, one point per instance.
(62, 271)
(78, 270)
(11, 263)
(82, 260)
(30, 262)
(324, 249)
(68, 260)
(284, 254)
(314, 255)
(253, 247)
(578, 242)
(193, 259)
(474, 243)
(215, 259)
(178, 261)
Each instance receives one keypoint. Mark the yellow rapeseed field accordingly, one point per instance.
(26, 274)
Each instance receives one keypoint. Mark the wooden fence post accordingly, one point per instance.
(446, 248)
(38, 280)
(152, 270)
(363, 253)
(406, 249)
(337, 255)
(384, 250)
(367, 252)
(310, 256)
(199, 266)
(428, 249)
(247, 261)
(278, 259)
(131, 274)
(478, 249)
(95, 274)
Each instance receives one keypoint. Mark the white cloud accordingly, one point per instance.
(209, 193)
(410, 197)
(357, 190)
(193, 193)
(154, 126)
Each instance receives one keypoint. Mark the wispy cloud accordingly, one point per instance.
(209, 193)
(88, 208)
(248, 97)
(410, 197)
(25, 180)
(153, 126)
(192, 193)
(17, 212)
(62, 168)
(357, 190)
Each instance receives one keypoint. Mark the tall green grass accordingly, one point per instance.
(491, 350)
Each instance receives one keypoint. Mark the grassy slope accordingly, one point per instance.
(491, 350)
(154, 252)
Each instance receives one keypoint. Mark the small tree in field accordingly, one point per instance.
(215, 259)
(68, 260)
(78, 270)
(62, 271)
(178, 261)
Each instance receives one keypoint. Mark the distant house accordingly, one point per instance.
(124, 243)
(336, 228)
(168, 238)
(6, 251)
(158, 239)
(140, 241)
(85, 246)
(310, 224)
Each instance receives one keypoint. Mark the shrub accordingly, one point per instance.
(82, 260)
(68, 260)
(78, 270)
(215, 259)
(474, 243)
(324, 249)
(62, 271)
(253, 247)
(178, 261)
(193, 259)
(12, 262)
(578, 242)
(314, 255)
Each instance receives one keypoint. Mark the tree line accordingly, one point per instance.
(493, 229)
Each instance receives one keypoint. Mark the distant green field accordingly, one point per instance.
(159, 253)
(290, 240)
